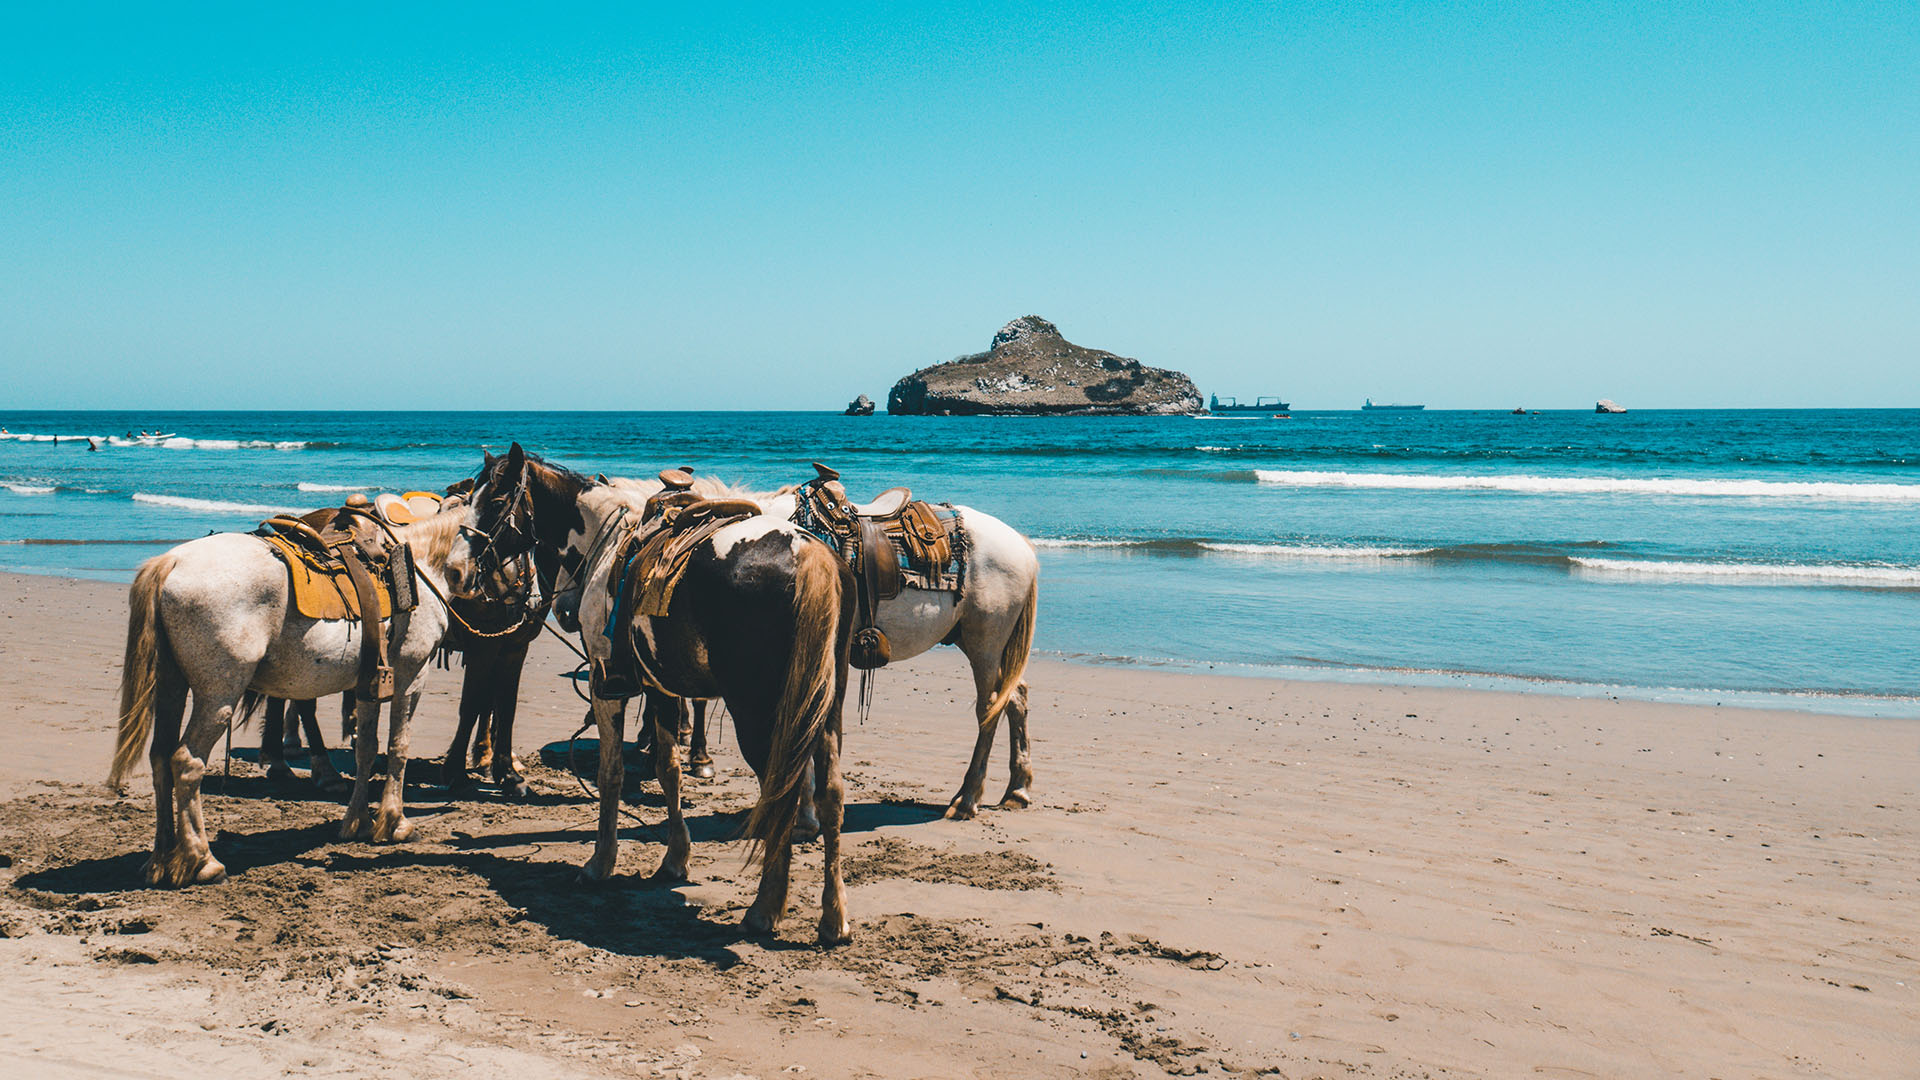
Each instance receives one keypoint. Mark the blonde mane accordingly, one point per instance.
(708, 487)
(431, 538)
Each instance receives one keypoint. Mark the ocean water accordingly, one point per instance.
(1759, 557)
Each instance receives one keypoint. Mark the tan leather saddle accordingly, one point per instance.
(651, 562)
(890, 543)
(343, 563)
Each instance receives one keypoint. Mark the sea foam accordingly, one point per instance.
(1595, 485)
(1885, 577)
(212, 506)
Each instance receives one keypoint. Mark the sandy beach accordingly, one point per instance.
(1221, 875)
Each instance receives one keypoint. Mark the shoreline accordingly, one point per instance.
(1860, 704)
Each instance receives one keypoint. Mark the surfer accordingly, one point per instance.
(91, 445)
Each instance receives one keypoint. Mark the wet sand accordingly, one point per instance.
(1223, 875)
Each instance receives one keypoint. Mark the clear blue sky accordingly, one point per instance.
(1471, 205)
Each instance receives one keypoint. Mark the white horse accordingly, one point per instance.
(992, 623)
(215, 616)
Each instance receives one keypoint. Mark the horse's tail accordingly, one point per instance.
(815, 683)
(1013, 656)
(140, 670)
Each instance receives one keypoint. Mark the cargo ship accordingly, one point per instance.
(1271, 405)
(1371, 407)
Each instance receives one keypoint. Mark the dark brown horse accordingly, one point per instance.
(761, 619)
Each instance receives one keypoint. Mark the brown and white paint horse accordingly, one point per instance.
(762, 620)
(214, 616)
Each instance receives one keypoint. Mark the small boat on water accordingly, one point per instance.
(1371, 407)
(1271, 405)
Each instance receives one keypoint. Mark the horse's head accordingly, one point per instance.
(524, 506)
(501, 527)
(491, 585)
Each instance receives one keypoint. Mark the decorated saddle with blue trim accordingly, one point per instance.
(892, 543)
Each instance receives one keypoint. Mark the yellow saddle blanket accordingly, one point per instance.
(324, 593)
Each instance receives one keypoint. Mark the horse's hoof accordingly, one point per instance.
(173, 873)
(455, 778)
(332, 783)
(1016, 799)
(594, 874)
(701, 770)
(835, 932)
(279, 775)
(757, 922)
(392, 830)
(805, 831)
(356, 827)
(960, 811)
(671, 872)
(514, 788)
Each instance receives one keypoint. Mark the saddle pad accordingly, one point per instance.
(653, 562)
(323, 594)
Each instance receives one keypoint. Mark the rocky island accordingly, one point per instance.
(1030, 370)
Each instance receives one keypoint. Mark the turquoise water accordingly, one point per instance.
(1755, 556)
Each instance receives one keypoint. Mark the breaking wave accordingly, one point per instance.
(1594, 485)
(305, 486)
(214, 506)
(19, 488)
(1886, 577)
(1560, 557)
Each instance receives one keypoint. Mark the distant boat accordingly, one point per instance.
(1521, 411)
(1608, 405)
(1266, 405)
(1371, 407)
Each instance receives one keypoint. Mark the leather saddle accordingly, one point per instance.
(344, 563)
(652, 560)
(890, 543)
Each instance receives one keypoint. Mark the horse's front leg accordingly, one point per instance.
(609, 718)
(358, 824)
(699, 762)
(390, 825)
(506, 701)
(273, 736)
(666, 713)
(473, 695)
(319, 762)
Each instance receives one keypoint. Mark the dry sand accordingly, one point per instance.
(1222, 875)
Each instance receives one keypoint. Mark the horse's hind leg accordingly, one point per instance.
(830, 798)
(1020, 753)
(190, 861)
(170, 701)
(699, 762)
(665, 713)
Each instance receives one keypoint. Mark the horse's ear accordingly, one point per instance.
(486, 461)
(516, 457)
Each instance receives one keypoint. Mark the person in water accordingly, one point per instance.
(91, 445)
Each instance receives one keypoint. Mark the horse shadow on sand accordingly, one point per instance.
(631, 915)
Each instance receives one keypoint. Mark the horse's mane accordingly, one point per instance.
(708, 487)
(431, 538)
